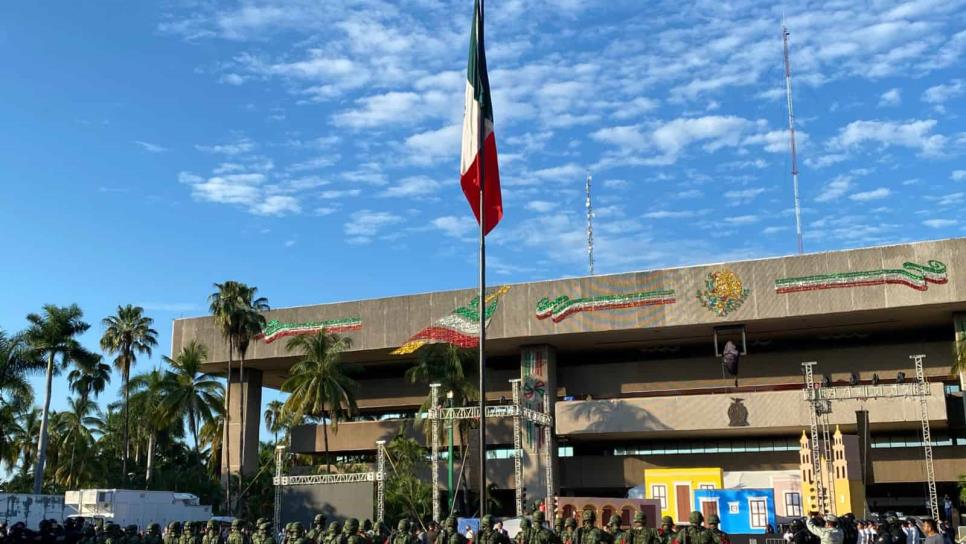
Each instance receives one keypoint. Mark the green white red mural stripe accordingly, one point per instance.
(563, 306)
(276, 329)
(461, 327)
(913, 275)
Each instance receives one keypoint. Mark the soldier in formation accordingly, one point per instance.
(588, 533)
(525, 532)
(153, 536)
(173, 535)
(237, 533)
(695, 533)
(265, 533)
(540, 533)
(613, 532)
(640, 533)
(717, 535)
(569, 533)
(317, 532)
(212, 534)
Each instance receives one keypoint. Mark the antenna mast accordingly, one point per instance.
(791, 134)
(590, 229)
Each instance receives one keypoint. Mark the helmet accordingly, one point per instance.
(236, 524)
(212, 524)
(487, 521)
(450, 522)
(319, 519)
(352, 525)
(640, 517)
(333, 527)
(154, 528)
(667, 520)
(131, 529)
(696, 518)
(525, 523)
(830, 518)
(539, 517)
(174, 526)
(367, 525)
(403, 525)
(713, 519)
(588, 515)
(297, 527)
(570, 523)
(615, 520)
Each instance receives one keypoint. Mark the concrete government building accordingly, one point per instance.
(636, 385)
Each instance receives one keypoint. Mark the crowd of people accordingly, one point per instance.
(533, 530)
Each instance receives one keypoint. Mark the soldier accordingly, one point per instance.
(153, 536)
(558, 525)
(351, 534)
(588, 532)
(614, 532)
(113, 534)
(489, 536)
(569, 533)
(717, 535)
(237, 533)
(173, 536)
(541, 534)
(256, 535)
(640, 533)
(318, 528)
(694, 533)
(331, 535)
(212, 534)
(666, 532)
(525, 532)
(131, 535)
(90, 535)
(265, 528)
(402, 535)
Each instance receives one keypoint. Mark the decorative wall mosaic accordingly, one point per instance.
(913, 275)
(460, 328)
(563, 306)
(535, 373)
(276, 329)
(723, 292)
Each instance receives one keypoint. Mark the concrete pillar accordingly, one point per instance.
(538, 371)
(959, 322)
(249, 392)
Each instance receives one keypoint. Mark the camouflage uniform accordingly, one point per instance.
(666, 532)
(717, 535)
(131, 535)
(112, 534)
(588, 532)
(173, 535)
(212, 534)
(569, 533)
(614, 531)
(487, 535)
(298, 534)
(153, 536)
(541, 534)
(265, 529)
(351, 534)
(402, 535)
(237, 534)
(317, 532)
(694, 533)
(525, 533)
(332, 533)
(558, 526)
(640, 533)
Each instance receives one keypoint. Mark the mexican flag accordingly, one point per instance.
(478, 137)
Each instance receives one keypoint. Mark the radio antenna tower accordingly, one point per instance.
(590, 229)
(791, 135)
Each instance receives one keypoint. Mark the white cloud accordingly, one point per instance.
(958, 175)
(777, 141)
(247, 190)
(716, 131)
(277, 205)
(938, 95)
(151, 148)
(540, 206)
(615, 183)
(315, 163)
(825, 160)
(916, 134)
(398, 108)
(835, 188)
(670, 214)
(289, 243)
(875, 194)
(565, 173)
(412, 186)
(741, 219)
(892, 97)
(364, 225)
(940, 223)
(232, 79)
(742, 196)
(432, 145)
(455, 226)
(243, 145)
(768, 231)
(333, 194)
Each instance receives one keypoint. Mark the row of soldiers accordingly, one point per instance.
(567, 532)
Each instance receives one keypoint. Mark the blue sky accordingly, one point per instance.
(311, 148)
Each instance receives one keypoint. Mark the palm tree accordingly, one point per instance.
(15, 362)
(52, 335)
(189, 393)
(236, 311)
(147, 396)
(90, 376)
(128, 334)
(76, 429)
(274, 418)
(211, 435)
(959, 359)
(318, 383)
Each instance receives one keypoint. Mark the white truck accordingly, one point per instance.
(31, 509)
(126, 506)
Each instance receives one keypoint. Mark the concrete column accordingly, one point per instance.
(538, 370)
(249, 392)
(959, 322)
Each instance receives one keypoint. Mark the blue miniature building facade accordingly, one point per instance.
(742, 511)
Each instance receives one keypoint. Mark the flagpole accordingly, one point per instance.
(482, 306)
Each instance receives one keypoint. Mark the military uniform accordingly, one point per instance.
(614, 532)
(569, 533)
(640, 533)
(717, 535)
(332, 534)
(588, 532)
(317, 532)
(402, 534)
(487, 535)
(112, 534)
(541, 534)
(212, 534)
(666, 532)
(351, 533)
(153, 536)
(525, 532)
(694, 533)
(173, 536)
(131, 535)
(265, 529)
(237, 534)
(558, 526)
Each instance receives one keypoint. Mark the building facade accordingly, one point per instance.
(632, 367)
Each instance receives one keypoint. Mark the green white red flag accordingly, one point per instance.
(478, 159)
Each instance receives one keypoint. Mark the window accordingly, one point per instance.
(626, 515)
(758, 513)
(705, 486)
(605, 514)
(793, 504)
(565, 451)
(733, 507)
(659, 492)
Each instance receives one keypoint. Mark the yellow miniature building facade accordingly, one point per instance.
(674, 488)
(843, 487)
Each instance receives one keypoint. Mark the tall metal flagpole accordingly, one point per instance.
(482, 306)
